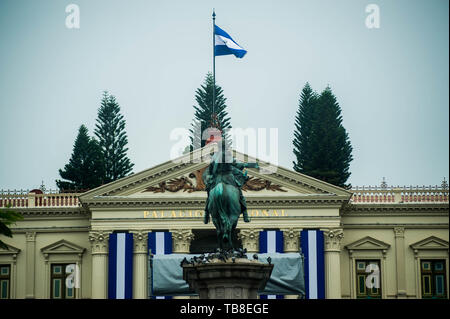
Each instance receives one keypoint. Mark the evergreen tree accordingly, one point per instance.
(110, 131)
(303, 125)
(203, 113)
(325, 150)
(85, 169)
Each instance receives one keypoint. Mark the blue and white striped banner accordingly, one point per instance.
(312, 248)
(271, 241)
(160, 243)
(120, 266)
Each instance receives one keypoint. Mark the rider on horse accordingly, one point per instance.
(230, 173)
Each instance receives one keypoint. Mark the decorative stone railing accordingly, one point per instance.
(26, 199)
(393, 195)
(361, 195)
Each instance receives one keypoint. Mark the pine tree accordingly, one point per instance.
(203, 113)
(325, 149)
(85, 169)
(303, 123)
(110, 131)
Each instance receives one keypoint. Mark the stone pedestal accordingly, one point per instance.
(227, 280)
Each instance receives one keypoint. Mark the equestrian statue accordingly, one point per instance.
(224, 179)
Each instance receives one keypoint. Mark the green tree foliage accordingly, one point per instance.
(204, 110)
(85, 169)
(321, 144)
(8, 217)
(303, 123)
(110, 131)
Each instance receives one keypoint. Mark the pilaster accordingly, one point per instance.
(30, 264)
(399, 233)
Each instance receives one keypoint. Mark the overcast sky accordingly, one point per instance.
(391, 82)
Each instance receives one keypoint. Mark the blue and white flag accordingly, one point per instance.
(120, 266)
(314, 263)
(271, 241)
(224, 44)
(159, 243)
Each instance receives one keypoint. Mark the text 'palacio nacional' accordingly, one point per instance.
(401, 231)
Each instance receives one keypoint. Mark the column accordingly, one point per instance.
(400, 261)
(140, 256)
(332, 242)
(30, 266)
(250, 239)
(99, 251)
(181, 240)
(291, 238)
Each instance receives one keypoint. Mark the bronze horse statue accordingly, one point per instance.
(224, 179)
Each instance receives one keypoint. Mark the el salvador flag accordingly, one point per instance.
(224, 44)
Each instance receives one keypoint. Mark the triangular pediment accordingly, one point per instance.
(431, 242)
(182, 178)
(368, 243)
(62, 247)
(10, 251)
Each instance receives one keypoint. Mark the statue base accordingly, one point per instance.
(239, 278)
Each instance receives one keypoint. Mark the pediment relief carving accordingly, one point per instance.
(194, 183)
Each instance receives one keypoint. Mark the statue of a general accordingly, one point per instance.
(224, 179)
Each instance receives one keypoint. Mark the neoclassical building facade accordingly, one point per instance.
(398, 234)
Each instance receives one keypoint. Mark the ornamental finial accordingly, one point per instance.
(383, 183)
(444, 184)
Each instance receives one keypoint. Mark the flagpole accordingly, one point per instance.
(214, 62)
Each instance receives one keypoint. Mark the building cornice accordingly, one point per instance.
(51, 229)
(365, 210)
(54, 212)
(393, 225)
(199, 203)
